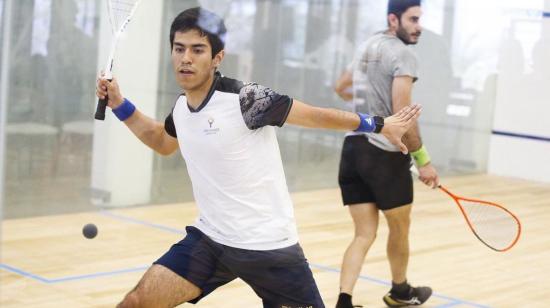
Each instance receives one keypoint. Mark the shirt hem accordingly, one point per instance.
(291, 240)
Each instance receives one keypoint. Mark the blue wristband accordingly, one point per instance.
(125, 110)
(367, 124)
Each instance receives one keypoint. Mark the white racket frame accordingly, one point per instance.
(108, 74)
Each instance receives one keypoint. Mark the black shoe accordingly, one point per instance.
(348, 306)
(344, 301)
(417, 296)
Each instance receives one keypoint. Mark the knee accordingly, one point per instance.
(365, 238)
(401, 225)
(131, 300)
(399, 231)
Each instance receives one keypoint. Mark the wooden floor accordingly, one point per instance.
(46, 262)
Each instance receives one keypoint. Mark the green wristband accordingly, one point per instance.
(421, 156)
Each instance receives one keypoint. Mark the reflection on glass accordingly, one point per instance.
(42, 16)
(1, 15)
(85, 17)
(51, 82)
(295, 47)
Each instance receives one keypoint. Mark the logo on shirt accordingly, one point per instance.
(211, 130)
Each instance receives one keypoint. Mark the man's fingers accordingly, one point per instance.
(431, 182)
(101, 89)
(401, 113)
(101, 83)
(410, 118)
(403, 148)
(408, 113)
(412, 114)
(436, 181)
(111, 84)
(105, 85)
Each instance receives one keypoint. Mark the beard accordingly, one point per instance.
(405, 37)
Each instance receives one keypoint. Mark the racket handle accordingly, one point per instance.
(416, 173)
(101, 107)
(414, 170)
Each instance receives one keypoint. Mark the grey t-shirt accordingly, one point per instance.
(376, 63)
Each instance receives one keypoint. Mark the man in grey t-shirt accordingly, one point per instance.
(382, 75)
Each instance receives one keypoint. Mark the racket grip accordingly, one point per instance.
(101, 107)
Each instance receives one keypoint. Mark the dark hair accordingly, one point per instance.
(398, 7)
(207, 23)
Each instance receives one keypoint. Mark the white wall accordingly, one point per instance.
(520, 144)
(121, 165)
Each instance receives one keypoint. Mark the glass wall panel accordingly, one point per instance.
(296, 47)
(51, 85)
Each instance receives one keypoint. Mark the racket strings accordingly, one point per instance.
(493, 225)
(120, 11)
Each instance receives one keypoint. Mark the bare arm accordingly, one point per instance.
(305, 115)
(315, 117)
(152, 133)
(343, 85)
(149, 131)
(401, 98)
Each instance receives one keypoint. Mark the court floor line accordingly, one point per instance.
(452, 302)
(99, 274)
(141, 222)
(23, 273)
(70, 278)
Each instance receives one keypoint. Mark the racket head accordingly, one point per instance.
(120, 13)
(494, 225)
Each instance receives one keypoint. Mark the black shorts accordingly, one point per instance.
(369, 174)
(281, 277)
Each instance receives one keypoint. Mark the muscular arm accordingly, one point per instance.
(152, 133)
(149, 131)
(314, 117)
(305, 115)
(343, 85)
(401, 98)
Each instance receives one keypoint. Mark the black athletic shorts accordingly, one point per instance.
(281, 277)
(369, 174)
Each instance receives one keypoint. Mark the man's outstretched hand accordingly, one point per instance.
(397, 125)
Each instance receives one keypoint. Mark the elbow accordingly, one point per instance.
(164, 152)
(164, 149)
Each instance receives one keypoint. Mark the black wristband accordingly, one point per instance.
(379, 123)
